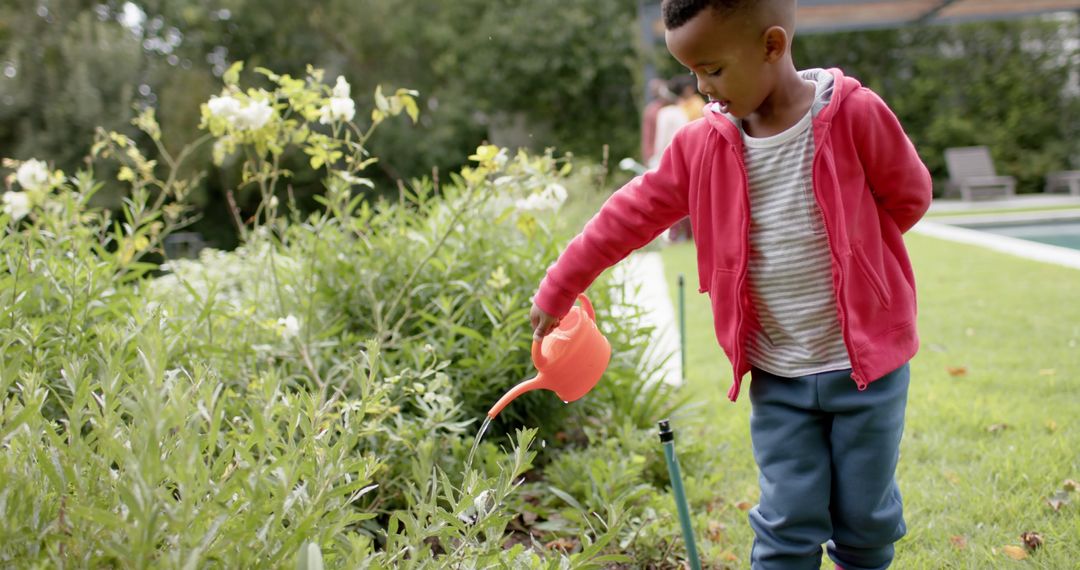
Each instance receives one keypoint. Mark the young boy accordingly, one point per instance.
(798, 186)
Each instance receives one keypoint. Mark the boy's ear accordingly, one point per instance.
(776, 43)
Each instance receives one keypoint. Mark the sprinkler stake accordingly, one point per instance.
(667, 439)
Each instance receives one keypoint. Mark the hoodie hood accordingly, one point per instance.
(726, 125)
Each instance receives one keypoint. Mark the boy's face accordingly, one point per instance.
(729, 58)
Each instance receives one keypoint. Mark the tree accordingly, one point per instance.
(1009, 85)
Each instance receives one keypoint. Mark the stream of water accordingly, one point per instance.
(476, 443)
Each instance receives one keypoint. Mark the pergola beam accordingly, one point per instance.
(819, 16)
(930, 15)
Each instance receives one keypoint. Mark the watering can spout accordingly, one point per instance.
(526, 386)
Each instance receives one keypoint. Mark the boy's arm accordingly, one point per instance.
(898, 178)
(630, 219)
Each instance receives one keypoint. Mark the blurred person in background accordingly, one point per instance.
(687, 107)
(660, 97)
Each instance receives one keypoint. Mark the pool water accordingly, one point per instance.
(1061, 233)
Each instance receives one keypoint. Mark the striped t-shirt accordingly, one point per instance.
(790, 267)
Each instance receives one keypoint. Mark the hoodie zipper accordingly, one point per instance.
(741, 283)
(860, 381)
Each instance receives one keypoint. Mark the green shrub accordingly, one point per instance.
(306, 398)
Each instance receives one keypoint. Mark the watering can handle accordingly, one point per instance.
(587, 304)
(537, 355)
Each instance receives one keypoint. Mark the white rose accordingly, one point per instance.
(254, 115)
(32, 175)
(341, 88)
(16, 204)
(290, 327)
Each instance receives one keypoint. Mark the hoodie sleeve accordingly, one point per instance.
(628, 220)
(898, 179)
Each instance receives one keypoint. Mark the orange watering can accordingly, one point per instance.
(569, 360)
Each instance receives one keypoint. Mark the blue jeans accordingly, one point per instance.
(826, 455)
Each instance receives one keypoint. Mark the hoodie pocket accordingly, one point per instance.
(724, 297)
(871, 276)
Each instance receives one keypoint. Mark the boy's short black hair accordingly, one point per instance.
(679, 12)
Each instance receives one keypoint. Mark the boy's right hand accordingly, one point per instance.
(542, 322)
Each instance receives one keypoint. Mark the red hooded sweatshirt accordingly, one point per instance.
(870, 187)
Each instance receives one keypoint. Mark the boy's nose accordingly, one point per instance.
(704, 89)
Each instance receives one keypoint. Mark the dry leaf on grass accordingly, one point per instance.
(1051, 426)
(956, 370)
(1058, 500)
(1047, 372)
(716, 531)
(714, 505)
(1032, 540)
(743, 505)
(563, 544)
(1070, 485)
(1014, 552)
(958, 542)
(997, 427)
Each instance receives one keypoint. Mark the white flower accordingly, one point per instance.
(225, 107)
(501, 158)
(273, 202)
(254, 115)
(343, 108)
(290, 327)
(555, 192)
(16, 204)
(550, 198)
(32, 175)
(339, 109)
(355, 180)
(251, 116)
(341, 88)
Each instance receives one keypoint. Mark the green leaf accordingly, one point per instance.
(269, 74)
(310, 557)
(411, 109)
(566, 497)
(232, 76)
(381, 102)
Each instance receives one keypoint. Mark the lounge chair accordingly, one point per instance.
(972, 176)
(1067, 180)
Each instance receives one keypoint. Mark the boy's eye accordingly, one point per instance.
(715, 72)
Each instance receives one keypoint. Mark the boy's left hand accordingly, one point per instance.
(542, 322)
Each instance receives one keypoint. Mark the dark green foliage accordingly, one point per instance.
(1011, 86)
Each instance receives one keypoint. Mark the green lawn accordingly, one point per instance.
(986, 444)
